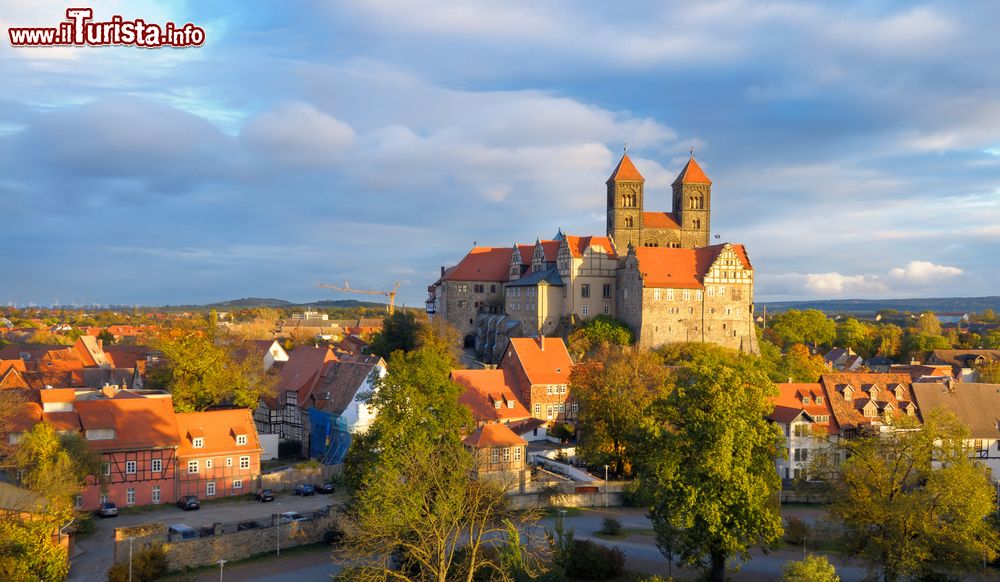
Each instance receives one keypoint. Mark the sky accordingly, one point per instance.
(854, 148)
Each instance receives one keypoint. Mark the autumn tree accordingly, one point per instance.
(414, 498)
(399, 332)
(989, 373)
(800, 365)
(912, 502)
(800, 327)
(918, 345)
(992, 340)
(615, 390)
(200, 373)
(715, 478)
(55, 465)
(599, 331)
(856, 335)
(812, 568)
(27, 550)
(888, 340)
(928, 323)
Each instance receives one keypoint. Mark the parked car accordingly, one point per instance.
(107, 509)
(185, 531)
(304, 489)
(264, 495)
(290, 516)
(323, 487)
(188, 502)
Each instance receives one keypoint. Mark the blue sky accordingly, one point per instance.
(855, 149)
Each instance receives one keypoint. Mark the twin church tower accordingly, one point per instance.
(687, 226)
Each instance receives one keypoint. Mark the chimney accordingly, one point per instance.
(442, 270)
(789, 379)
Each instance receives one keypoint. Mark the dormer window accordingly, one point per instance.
(848, 392)
(805, 400)
(241, 439)
(497, 404)
(198, 442)
(819, 400)
(510, 404)
(900, 395)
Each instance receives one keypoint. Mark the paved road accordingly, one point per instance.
(98, 548)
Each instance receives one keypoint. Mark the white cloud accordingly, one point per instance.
(923, 272)
(299, 134)
(838, 284)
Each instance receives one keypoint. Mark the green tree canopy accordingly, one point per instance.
(399, 332)
(812, 568)
(989, 373)
(615, 390)
(803, 327)
(888, 340)
(596, 332)
(55, 465)
(857, 335)
(992, 340)
(918, 345)
(911, 500)
(715, 478)
(200, 373)
(27, 550)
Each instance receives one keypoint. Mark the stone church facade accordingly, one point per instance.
(654, 270)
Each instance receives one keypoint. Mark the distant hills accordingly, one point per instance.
(863, 306)
(251, 302)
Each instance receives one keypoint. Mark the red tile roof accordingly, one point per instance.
(302, 371)
(219, 428)
(8, 364)
(484, 388)
(482, 264)
(493, 435)
(549, 366)
(578, 245)
(660, 220)
(681, 268)
(625, 171)
(550, 248)
(26, 415)
(788, 404)
(63, 420)
(57, 395)
(847, 412)
(691, 174)
(139, 423)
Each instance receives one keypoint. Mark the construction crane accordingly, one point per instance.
(390, 307)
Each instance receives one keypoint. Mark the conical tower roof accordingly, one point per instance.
(692, 174)
(625, 172)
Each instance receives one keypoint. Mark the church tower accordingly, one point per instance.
(693, 205)
(625, 204)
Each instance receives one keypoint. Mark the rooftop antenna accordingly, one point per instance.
(692, 151)
(626, 147)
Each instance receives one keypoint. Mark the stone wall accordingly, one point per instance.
(287, 480)
(204, 551)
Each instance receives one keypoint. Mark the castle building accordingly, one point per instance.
(654, 270)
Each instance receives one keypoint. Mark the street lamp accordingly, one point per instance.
(221, 564)
(605, 486)
(130, 559)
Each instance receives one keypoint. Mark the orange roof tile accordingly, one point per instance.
(57, 395)
(219, 428)
(691, 174)
(660, 220)
(8, 364)
(625, 171)
(302, 371)
(139, 423)
(578, 245)
(847, 412)
(484, 388)
(63, 420)
(790, 398)
(482, 264)
(681, 268)
(549, 366)
(26, 415)
(493, 434)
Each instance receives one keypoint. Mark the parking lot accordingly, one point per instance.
(97, 549)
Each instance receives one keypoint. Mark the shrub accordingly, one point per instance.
(812, 569)
(796, 531)
(611, 526)
(591, 561)
(147, 565)
(635, 494)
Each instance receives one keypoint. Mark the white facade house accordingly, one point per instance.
(978, 407)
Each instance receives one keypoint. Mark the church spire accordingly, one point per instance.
(692, 173)
(625, 171)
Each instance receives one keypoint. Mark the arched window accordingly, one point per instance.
(697, 223)
(628, 222)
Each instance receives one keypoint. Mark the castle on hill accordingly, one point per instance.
(653, 270)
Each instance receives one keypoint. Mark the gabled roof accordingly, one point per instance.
(789, 400)
(92, 351)
(483, 388)
(578, 245)
(219, 428)
(493, 434)
(681, 268)
(691, 174)
(660, 220)
(57, 395)
(19, 500)
(550, 248)
(976, 405)
(341, 382)
(550, 276)
(625, 171)
(302, 371)
(848, 414)
(551, 365)
(482, 264)
(139, 423)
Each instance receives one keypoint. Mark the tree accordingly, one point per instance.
(802, 366)
(928, 324)
(715, 478)
(799, 327)
(615, 390)
(601, 330)
(399, 332)
(147, 565)
(810, 569)
(917, 345)
(413, 495)
(911, 501)
(200, 373)
(888, 340)
(992, 340)
(106, 337)
(55, 466)
(856, 335)
(27, 550)
(989, 373)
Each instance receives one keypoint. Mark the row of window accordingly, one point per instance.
(516, 292)
(193, 466)
(497, 454)
(476, 288)
(585, 310)
(556, 409)
(605, 290)
(199, 442)
(560, 389)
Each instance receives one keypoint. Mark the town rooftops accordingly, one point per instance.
(481, 264)
(550, 248)
(219, 431)
(544, 360)
(493, 435)
(136, 422)
(302, 371)
(964, 358)
(625, 171)
(578, 246)
(850, 392)
(681, 268)
(975, 405)
(491, 395)
(691, 173)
